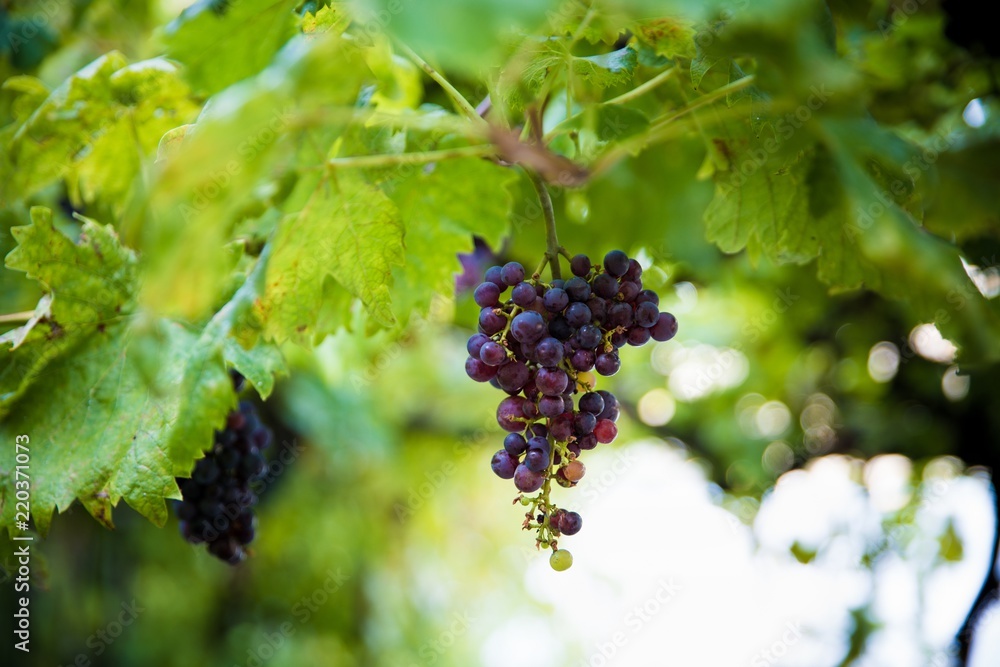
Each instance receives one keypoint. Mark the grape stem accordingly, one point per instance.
(552, 246)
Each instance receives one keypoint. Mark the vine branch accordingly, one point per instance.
(393, 159)
(551, 240)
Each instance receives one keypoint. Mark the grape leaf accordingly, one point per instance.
(441, 208)
(347, 229)
(331, 18)
(139, 397)
(607, 69)
(219, 48)
(668, 37)
(97, 128)
(832, 201)
(226, 166)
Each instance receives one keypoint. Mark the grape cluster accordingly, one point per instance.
(540, 344)
(218, 499)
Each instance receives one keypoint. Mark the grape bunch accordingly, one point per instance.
(218, 499)
(540, 343)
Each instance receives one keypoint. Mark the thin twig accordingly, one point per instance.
(390, 159)
(461, 103)
(661, 127)
(23, 316)
(627, 96)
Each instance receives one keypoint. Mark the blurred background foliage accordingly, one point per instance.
(798, 454)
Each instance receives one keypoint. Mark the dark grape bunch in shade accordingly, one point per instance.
(541, 343)
(218, 499)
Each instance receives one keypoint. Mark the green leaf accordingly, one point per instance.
(607, 69)
(332, 18)
(347, 229)
(668, 37)
(441, 208)
(219, 48)
(230, 165)
(90, 285)
(459, 35)
(139, 397)
(98, 128)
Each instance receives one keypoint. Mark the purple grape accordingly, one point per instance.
(538, 431)
(206, 470)
(493, 276)
(592, 402)
(619, 315)
(527, 481)
(551, 406)
(634, 271)
(604, 286)
(607, 364)
(588, 441)
(487, 295)
(493, 354)
(504, 464)
(512, 273)
(628, 290)
(584, 423)
(618, 339)
(570, 523)
(638, 336)
(577, 289)
(528, 327)
(551, 381)
(509, 412)
(560, 329)
(610, 404)
(491, 322)
(558, 284)
(530, 410)
(536, 460)
(562, 427)
(583, 360)
(540, 442)
(479, 371)
(647, 296)
(665, 327)
(598, 308)
(578, 314)
(513, 376)
(523, 295)
(515, 444)
(588, 336)
(573, 448)
(646, 314)
(555, 300)
(549, 352)
(616, 263)
(580, 265)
